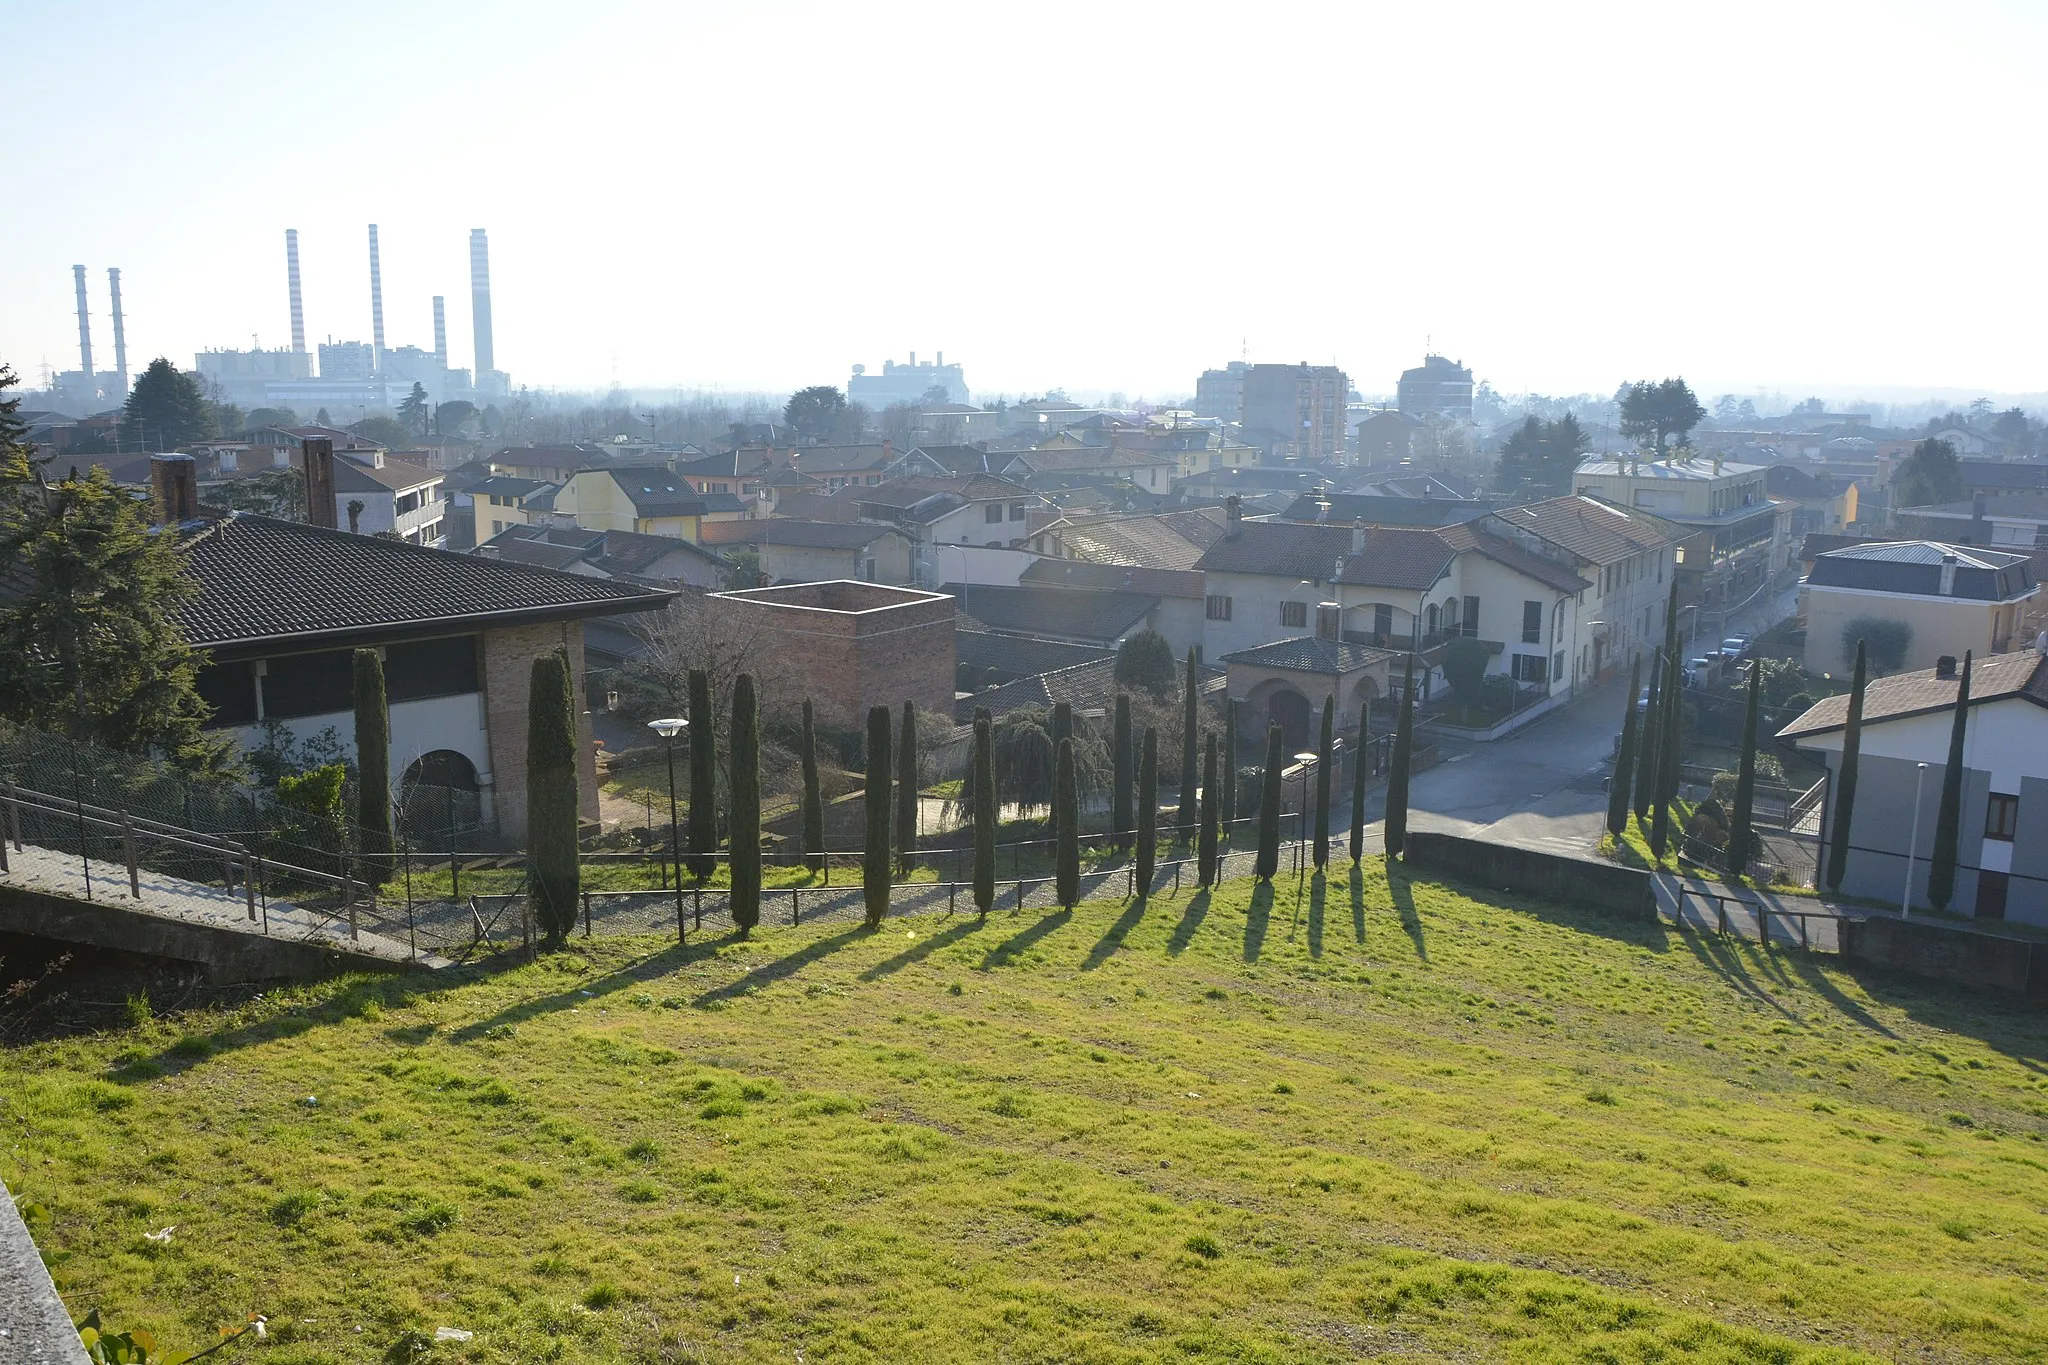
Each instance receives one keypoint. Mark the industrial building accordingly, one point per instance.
(912, 383)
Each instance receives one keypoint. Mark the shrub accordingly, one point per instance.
(1887, 642)
(1145, 660)
(1464, 665)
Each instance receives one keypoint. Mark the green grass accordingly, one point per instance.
(1385, 1119)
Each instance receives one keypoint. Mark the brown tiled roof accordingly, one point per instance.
(1278, 547)
(396, 476)
(1058, 612)
(1992, 678)
(816, 535)
(1074, 573)
(1396, 557)
(1594, 529)
(1089, 684)
(1165, 540)
(1512, 556)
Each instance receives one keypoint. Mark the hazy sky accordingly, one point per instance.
(1103, 196)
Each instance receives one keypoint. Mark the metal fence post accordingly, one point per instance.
(697, 907)
(586, 914)
(249, 882)
(128, 851)
(348, 901)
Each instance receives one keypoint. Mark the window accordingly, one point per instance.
(2001, 817)
(1557, 622)
(1016, 511)
(1532, 623)
(1383, 620)
(995, 512)
(1294, 615)
(1470, 625)
(1219, 607)
(1530, 668)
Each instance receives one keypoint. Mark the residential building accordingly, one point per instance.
(655, 561)
(740, 471)
(498, 502)
(1742, 536)
(844, 466)
(2002, 521)
(1386, 437)
(794, 551)
(1220, 393)
(1823, 500)
(1626, 557)
(1289, 682)
(547, 463)
(995, 658)
(1951, 598)
(1101, 618)
(1161, 540)
(973, 510)
(1296, 412)
(849, 646)
(1177, 613)
(911, 383)
(1438, 386)
(651, 499)
(374, 494)
(1341, 509)
(1908, 721)
(2000, 476)
(1063, 464)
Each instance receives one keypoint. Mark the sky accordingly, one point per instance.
(1796, 195)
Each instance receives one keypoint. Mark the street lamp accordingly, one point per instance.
(668, 728)
(1912, 846)
(1302, 760)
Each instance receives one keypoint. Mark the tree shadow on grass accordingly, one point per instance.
(923, 948)
(1318, 895)
(1113, 938)
(1404, 906)
(782, 968)
(1190, 920)
(1720, 957)
(1010, 948)
(1257, 915)
(1818, 982)
(1358, 902)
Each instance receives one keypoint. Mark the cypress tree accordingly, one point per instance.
(1121, 774)
(745, 898)
(1205, 848)
(874, 863)
(1740, 834)
(906, 792)
(1646, 741)
(1396, 828)
(1845, 779)
(1941, 869)
(1184, 820)
(1148, 811)
(1066, 806)
(703, 779)
(1062, 725)
(1670, 751)
(1326, 753)
(554, 874)
(1229, 764)
(814, 798)
(1268, 861)
(984, 811)
(1624, 757)
(373, 766)
(1358, 782)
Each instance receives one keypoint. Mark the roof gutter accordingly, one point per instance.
(467, 623)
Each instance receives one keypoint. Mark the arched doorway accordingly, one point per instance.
(439, 799)
(1290, 711)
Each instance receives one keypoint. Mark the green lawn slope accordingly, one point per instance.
(1353, 1120)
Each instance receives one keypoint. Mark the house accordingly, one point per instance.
(652, 499)
(1908, 720)
(1100, 618)
(849, 646)
(2005, 521)
(1047, 467)
(375, 494)
(1381, 510)
(1950, 598)
(658, 561)
(739, 471)
(975, 509)
(1162, 540)
(957, 423)
(1289, 682)
(1401, 588)
(1385, 437)
(1999, 476)
(949, 461)
(1626, 556)
(1823, 500)
(794, 551)
(500, 501)
(844, 466)
(1743, 536)
(547, 463)
(281, 606)
(1178, 615)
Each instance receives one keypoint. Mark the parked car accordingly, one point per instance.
(1699, 672)
(1735, 646)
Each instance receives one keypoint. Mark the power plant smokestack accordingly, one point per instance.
(120, 337)
(291, 263)
(440, 332)
(376, 306)
(479, 305)
(84, 323)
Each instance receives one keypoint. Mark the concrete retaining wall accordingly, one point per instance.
(1969, 957)
(35, 1329)
(1589, 882)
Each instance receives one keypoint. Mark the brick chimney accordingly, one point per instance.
(318, 458)
(1233, 511)
(1358, 536)
(174, 488)
(1945, 667)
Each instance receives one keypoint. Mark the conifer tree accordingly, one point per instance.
(745, 897)
(1205, 847)
(984, 811)
(906, 792)
(1741, 835)
(1326, 756)
(554, 870)
(1647, 761)
(1066, 806)
(1670, 750)
(1267, 863)
(1122, 774)
(1062, 725)
(1229, 764)
(165, 410)
(1624, 757)
(1358, 781)
(814, 797)
(373, 766)
(874, 863)
(703, 831)
(1845, 777)
(1148, 811)
(1941, 868)
(1184, 820)
(1396, 827)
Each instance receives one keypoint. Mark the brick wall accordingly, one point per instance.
(507, 673)
(851, 646)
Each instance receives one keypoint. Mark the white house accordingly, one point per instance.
(373, 493)
(1626, 555)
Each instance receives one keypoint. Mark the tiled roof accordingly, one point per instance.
(507, 486)
(1281, 548)
(2001, 474)
(1594, 529)
(1311, 654)
(841, 459)
(1512, 556)
(1165, 540)
(2029, 504)
(1395, 557)
(1992, 678)
(741, 463)
(1917, 567)
(815, 535)
(629, 553)
(1067, 461)
(657, 491)
(1018, 656)
(1074, 573)
(1345, 508)
(395, 476)
(1056, 612)
(1082, 685)
(1692, 470)
(964, 459)
(263, 580)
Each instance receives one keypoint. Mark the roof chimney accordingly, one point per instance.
(1948, 575)
(318, 452)
(1358, 536)
(1945, 666)
(174, 488)
(1233, 511)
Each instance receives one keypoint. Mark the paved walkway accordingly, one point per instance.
(1713, 907)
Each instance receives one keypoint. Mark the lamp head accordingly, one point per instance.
(669, 726)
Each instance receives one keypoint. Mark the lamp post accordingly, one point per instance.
(1303, 760)
(668, 728)
(1912, 845)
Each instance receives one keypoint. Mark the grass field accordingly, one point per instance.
(1385, 1118)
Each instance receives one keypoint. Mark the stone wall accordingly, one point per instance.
(1969, 957)
(507, 674)
(1589, 882)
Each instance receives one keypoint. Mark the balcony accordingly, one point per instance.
(1425, 645)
